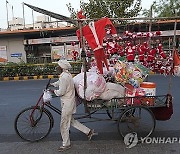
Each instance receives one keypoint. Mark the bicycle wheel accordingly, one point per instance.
(137, 119)
(35, 128)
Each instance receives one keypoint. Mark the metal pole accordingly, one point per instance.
(174, 48)
(12, 12)
(23, 15)
(150, 15)
(7, 14)
(150, 26)
(33, 18)
(83, 56)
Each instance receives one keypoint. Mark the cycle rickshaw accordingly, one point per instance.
(36, 122)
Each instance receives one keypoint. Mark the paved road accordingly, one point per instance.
(16, 95)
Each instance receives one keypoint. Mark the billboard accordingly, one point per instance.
(69, 51)
(3, 54)
(57, 52)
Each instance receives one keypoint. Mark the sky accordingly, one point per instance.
(15, 8)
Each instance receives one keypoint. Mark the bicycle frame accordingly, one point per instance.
(40, 101)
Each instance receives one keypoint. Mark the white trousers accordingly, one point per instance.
(66, 121)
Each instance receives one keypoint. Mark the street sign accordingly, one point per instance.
(16, 55)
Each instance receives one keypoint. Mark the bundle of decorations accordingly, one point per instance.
(131, 73)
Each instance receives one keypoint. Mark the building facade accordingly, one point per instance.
(46, 44)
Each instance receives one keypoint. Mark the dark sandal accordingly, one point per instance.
(64, 148)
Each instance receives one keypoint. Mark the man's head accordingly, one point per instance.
(63, 65)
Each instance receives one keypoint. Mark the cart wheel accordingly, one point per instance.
(35, 128)
(137, 119)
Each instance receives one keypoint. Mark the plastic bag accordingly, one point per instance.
(47, 96)
(177, 70)
(95, 85)
(112, 90)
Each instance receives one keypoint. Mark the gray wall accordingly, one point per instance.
(14, 45)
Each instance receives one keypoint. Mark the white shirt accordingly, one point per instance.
(66, 92)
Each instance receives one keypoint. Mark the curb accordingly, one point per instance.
(30, 77)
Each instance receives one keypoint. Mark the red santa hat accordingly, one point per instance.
(139, 34)
(145, 44)
(128, 33)
(134, 36)
(80, 15)
(149, 34)
(73, 43)
(129, 44)
(158, 33)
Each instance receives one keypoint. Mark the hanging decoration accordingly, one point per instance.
(109, 48)
(94, 34)
(129, 48)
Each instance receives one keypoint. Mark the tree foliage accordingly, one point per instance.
(164, 8)
(108, 8)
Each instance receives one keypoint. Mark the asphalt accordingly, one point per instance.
(89, 147)
(84, 147)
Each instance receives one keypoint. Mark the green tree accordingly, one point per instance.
(164, 8)
(107, 8)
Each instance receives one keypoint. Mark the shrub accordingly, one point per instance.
(13, 69)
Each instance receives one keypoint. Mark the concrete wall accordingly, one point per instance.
(14, 45)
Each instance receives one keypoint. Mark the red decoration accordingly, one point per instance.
(130, 53)
(75, 54)
(80, 15)
(149, 34)
(151, 55)
(158, 33)
(94, 34)
(141, 51)
(160, 51)
(120, 50)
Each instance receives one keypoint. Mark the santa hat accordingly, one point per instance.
(160, 45)
(129, 44)
(80, 15)
(139, 34)
(128, 33)
(73, 43)
(158, 33)
(64, 64)
(145, 44)
(149, 34)
(134, 36)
